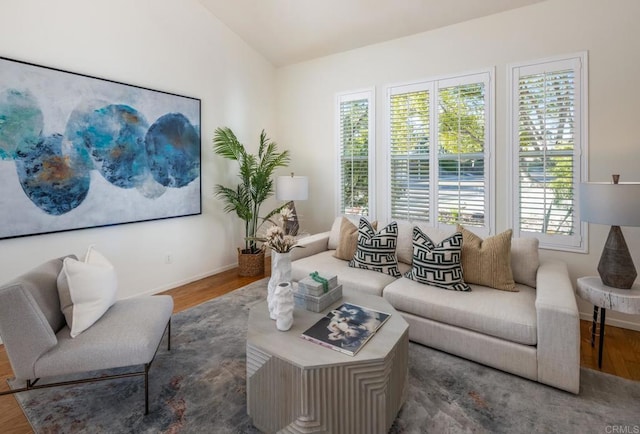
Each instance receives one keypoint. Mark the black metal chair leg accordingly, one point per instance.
(146, 388)
(594, 325)
(603, 312)
(169, 335)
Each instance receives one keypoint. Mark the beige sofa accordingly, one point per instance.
(533, 333)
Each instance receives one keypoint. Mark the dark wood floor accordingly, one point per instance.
(621, 352)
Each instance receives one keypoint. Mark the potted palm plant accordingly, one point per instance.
(256, 186)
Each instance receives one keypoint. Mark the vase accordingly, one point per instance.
(280, 272)
(283, 297)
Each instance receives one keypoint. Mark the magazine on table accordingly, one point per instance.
(346, 328)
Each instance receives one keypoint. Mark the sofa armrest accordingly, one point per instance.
(312, 245)
(558, 328)
(25, 331)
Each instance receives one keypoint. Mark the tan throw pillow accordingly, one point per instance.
(487, 262)
(348, 241)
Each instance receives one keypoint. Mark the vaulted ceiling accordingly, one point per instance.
(290, 31)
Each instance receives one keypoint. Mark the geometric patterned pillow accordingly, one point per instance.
(437, 265)
(377, 252)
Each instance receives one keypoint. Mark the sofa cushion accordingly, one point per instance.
(353, 278)
(505, 315)
(377, 251)
(127, 334)
(348, 242)
(488, 262)
(437, 265)
(525, 260)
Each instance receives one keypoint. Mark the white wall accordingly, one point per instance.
(608, 30)
(171, 45)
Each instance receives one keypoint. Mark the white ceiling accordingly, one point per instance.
(291, 31)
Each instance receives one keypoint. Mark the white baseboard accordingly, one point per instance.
(612, 321)
(178, 283)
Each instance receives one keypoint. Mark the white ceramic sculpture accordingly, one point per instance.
(280, 272)
(284, 306)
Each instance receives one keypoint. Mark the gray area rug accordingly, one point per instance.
(199, 387)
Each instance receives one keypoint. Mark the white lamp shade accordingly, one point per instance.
(292, 188)
(610, 204)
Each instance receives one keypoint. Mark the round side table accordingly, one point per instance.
(605, 297)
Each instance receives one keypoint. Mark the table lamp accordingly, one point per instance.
(616, 204)
(290, 188)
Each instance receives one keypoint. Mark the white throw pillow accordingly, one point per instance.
(86, 289)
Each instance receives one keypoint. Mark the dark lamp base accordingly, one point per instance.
(616, 266)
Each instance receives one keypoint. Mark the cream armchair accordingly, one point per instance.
(38, 342)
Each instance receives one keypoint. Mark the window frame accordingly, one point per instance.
(578, 242)
(369, 95)
(433, 86)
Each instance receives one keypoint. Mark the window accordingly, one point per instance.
(461, 154)
(548, 124)
(440, 138)
(355, 150)
(410, 162)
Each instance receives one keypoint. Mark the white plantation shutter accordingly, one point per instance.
(439, 146)
(409, 148)
(355, 143)
(548, 113)
(461, 154)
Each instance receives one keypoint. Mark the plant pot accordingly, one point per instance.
(250, 264)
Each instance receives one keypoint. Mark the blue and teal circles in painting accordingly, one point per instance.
(114, 139)
(53, 181)
(20, 121)
(173, 149)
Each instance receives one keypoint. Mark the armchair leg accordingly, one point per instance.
(148, 365)
(169, 335)
(146, 388)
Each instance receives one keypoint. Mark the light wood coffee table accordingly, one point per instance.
(297, 386)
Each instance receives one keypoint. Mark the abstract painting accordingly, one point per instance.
(78, 151)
